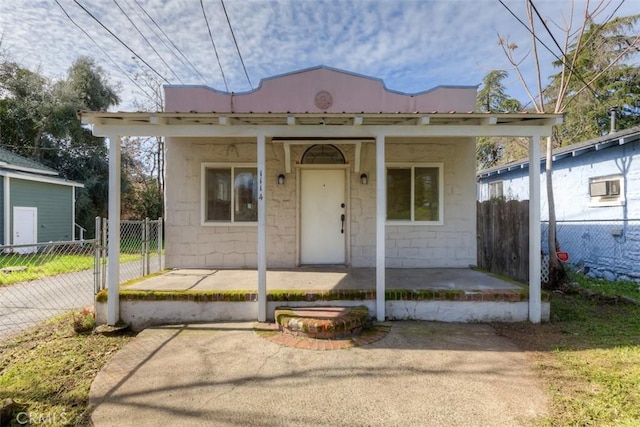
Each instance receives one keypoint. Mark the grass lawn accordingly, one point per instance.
(49, 371)
(40, 265)
(588, 355)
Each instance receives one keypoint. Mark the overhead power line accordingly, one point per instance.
(214, 46)
(103, 50)
(236, 43)
(535, 9)
(147, 40)
(551, 51)
(578, 51)
(182, 58)
(121, 42)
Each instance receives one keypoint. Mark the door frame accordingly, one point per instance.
(347, 207)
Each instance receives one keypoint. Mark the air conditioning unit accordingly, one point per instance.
(604, 188)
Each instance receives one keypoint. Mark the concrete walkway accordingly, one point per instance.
(420, 374)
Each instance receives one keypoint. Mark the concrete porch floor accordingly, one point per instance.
(324, 278)
(207, 295)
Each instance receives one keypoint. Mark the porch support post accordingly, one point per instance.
(381, 216)
(535, 289)
(262, 231)
(113, 300)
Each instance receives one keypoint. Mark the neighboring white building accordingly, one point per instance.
(596, 186)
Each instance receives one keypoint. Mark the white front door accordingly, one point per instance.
(24, 228)
(322, 216)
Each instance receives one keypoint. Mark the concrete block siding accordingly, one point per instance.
(190, 244)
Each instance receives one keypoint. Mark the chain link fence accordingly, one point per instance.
(39, 281)
(140, 249)
(605, 249)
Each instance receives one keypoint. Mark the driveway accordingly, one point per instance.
(421, 373)
(25, 304)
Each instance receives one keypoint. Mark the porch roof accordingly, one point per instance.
(288, 126)
(344, 124)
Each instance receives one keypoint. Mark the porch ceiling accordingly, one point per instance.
(283, 124)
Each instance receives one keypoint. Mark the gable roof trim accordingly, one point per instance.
(597, 144)
(8, 166)
(325, 67)
(40, 178)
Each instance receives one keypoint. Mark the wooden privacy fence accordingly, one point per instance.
(503, 238)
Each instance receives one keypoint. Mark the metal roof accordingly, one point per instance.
(308, 118)
(304, 125)
(596, 144)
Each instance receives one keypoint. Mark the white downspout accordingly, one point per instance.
(262, 230)
(535, 289)
(381, 217)
(113, 300)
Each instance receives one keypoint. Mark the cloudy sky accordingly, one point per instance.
(412, 45)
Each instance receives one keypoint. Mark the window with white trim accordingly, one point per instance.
(415, 193)
(496, 190)
(606, 191)
(229, 194)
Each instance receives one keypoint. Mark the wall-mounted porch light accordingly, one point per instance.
(364, 179)
(281, 179)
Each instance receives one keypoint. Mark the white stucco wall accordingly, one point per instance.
(571, 177)
(144, 314)
(603, 238)
(190, 245)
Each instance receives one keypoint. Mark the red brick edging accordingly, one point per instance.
(322, 322)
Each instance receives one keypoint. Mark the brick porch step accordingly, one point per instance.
(322, 322)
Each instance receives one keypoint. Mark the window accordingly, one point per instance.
(606, 191)
(324, 154)
(229, 194)
(414, 193)
(496, 190)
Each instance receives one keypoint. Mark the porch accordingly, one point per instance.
(419, 145)
(206, 295)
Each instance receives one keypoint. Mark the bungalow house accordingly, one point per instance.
(318, 167)
(596, 186)
(36, 205)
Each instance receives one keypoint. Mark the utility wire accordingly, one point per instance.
(121, 42)
(69, 149)
(147, 40)
(214, 46)
(171, 41)
(103, 50)
(236, 43)
(182, 58)
(548, 48)
(586, 43)
(567, 59)
(606, 21)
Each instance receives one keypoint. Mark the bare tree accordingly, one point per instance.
(569, 86)
(149, 152)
